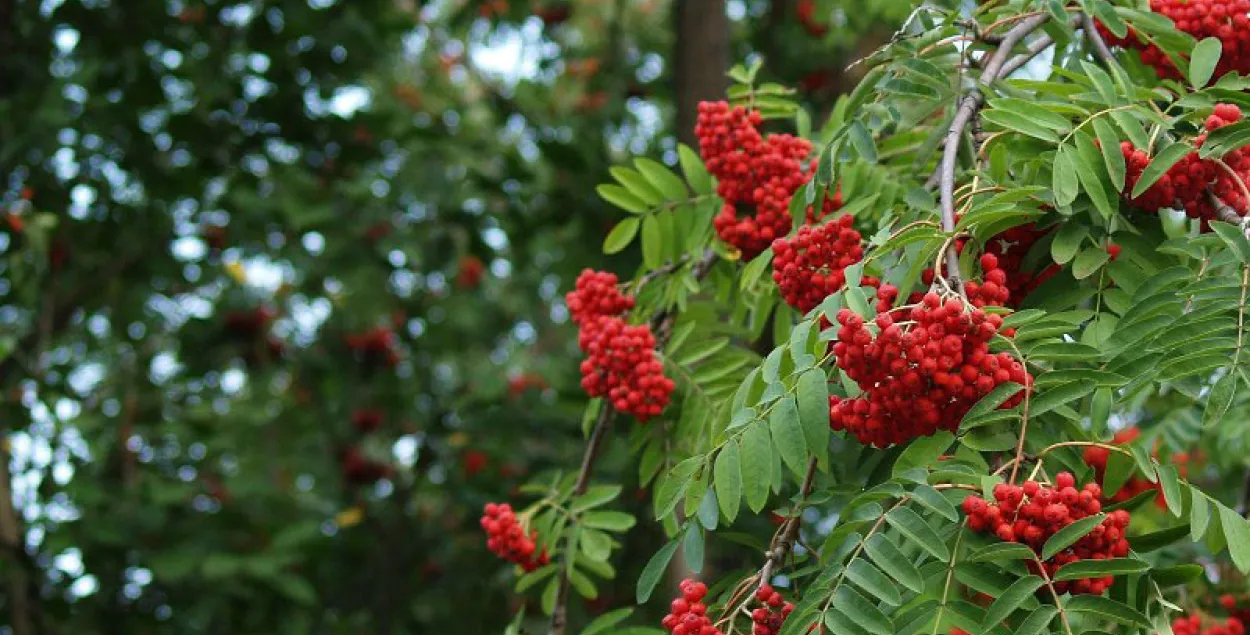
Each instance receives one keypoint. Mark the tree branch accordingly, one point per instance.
(781, 547)
(1095, 39)
(662, 326)
(967, 108)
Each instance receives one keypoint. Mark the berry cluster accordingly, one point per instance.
(921, 375)
(754, 172)
(1011, 247)
(366, 420)
(374, 346)
(688, 613)
(1228, 20)
(620, 359)
(995, 290)
(359, 469)
(810, 266)
(507, 539)
(1032, 513)
(1096, 458)
(772, 612)
(1185, 184)
(1192, 625)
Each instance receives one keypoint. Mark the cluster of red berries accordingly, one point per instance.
(1192, 625)
(1011, 247)
(1030, 514)
(688, 614)
(507, 539)
(469, 275)
(994, 290)
(1186, 183)
(921, 374)
(620, 359)
(754, 173)
(374, 346)
(811, 265)
(359, 469)
(1229, 602)
(1096, 457)
(1227, 20)
(772, 612)
(366, 420)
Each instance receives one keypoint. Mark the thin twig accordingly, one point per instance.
(777, 554)
(1095, 39)
(662, 326)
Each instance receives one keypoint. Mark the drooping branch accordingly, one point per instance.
(662, 326)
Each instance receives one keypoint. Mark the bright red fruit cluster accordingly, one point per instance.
(1011, 247)
(922, 375)
(1032, 513)
(754, 173)
(1192, 625)
(1186, 183)
(1224, 19)
(507, 539)
(374, 346)
(810, 266)
(620, 359)
(772, 612)
(688, 614)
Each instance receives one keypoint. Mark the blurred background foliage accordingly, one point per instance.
(281, 288)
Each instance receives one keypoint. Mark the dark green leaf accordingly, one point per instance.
(1065, 537)
(653, 571)
(1011, 599)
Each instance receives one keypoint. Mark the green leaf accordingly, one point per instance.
(1002, 551)
(1089, 261)
(1176, 575)
(621, 235)
(923, 452)
(534, 577)
(595, 544)
(675, 484)
(1060, 395)
(1065, 537)
(693, 548)
(652, 572)
(727, 479)
(994, 399)
(1099, 568)
(1037, 621)
(1222, 395)
(696, 174)
(812, 392)
(1158, 539)
(638, 185)
(1237, 533)
(1159, 166)
(1010, 600)
(1170, 483)
(583, 585)
(935, 502)
(1203, 60)
(1089, 170)
(1109, 143)
(1107, 609)
(548, 601)
(652, 242)
(596, 496)
(662, 179)
(606, 621)
(1119, 469)
(787, 434)
(1068, 240)
(608, 520)
(757, 461)
(1065, 182)
(1017, 122)
(1235, 238)
(1199, 514)
(861, 140)
(622, 198)
(855, 606)
(914, 528)
(892, 561)
(870, 579)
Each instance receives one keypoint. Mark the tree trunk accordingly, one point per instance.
(700, 59)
